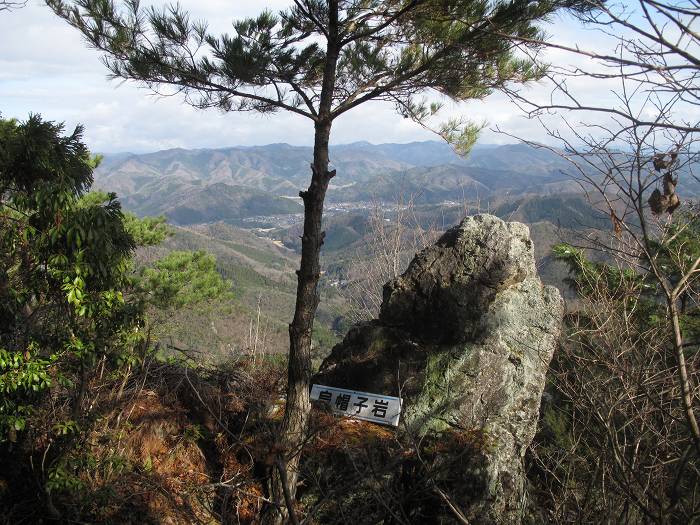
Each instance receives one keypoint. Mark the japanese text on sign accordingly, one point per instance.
(362, 405)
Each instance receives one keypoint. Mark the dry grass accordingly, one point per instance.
(182, 445)
(168, 443)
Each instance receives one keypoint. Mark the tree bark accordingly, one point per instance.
(298, 404)
(683, 379)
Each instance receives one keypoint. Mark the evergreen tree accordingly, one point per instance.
(71, 301)
(63, 262)
(320, 59)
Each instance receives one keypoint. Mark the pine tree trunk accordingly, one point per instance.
(298, 404)
(283, 486)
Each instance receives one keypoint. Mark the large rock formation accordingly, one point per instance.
(465, 337)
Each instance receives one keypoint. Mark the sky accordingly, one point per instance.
(46, 68)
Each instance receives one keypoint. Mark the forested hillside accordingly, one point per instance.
(236, 183)
(242, 187)
(396, 332)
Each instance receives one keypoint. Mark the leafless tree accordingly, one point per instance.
(654, 48)
(394, 235)
(614, 444)
(8, 5)
(630, 383)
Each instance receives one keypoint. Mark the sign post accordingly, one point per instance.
(361, 405)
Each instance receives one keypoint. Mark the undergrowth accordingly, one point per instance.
(175, 441)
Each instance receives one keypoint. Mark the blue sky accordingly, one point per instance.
(46, 68)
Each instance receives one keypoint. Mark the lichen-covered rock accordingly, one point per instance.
(465, 337)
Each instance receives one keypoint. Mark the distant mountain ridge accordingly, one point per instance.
(203, 185)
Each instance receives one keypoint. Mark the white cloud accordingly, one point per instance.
(46, 68)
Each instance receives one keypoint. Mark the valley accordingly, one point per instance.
(241, 205)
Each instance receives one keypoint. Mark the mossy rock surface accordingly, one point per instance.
(465, 337)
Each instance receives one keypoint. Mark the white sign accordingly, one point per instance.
(361, 405)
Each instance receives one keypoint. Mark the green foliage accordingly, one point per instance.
(37, 163)
(183, 278)
(63, 479)
(73, 310)
(64, 428)
(674, 252)
(679, 247)
(64, 257)
(193, 433)
(23, 375)
(148, 231)
(588, 275)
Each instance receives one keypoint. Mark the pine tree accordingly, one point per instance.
(320, 59)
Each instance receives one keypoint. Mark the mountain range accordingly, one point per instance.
(244, 193)
(242, 204)
(231, 184)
